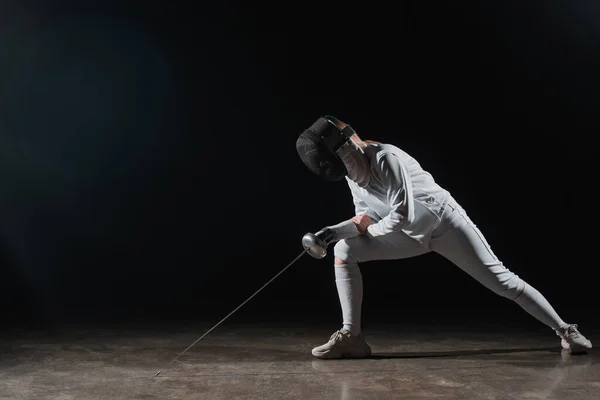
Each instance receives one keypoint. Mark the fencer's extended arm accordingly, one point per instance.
(392, 172)
(343, 230)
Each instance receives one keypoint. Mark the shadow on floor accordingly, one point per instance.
(459, 353)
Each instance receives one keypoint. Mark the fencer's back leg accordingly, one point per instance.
(466, 247)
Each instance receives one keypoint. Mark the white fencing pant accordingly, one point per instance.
(459, 240)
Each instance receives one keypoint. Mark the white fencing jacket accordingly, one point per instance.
(400, 196)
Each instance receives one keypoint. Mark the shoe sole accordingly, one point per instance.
(328, 355)
(577, 349)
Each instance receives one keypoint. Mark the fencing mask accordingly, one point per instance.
(327, 150)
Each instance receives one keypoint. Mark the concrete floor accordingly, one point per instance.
(250, 362)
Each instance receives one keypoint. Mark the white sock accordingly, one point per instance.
(348, 280)
(536, 304)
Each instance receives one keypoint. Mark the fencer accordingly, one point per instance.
(402, 212)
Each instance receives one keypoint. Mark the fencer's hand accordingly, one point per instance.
(362, 222)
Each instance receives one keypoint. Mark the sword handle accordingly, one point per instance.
(326, 235)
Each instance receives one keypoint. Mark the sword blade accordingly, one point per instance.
(237, 308)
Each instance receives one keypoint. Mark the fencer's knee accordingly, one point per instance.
(342, 253)
(339, 261)
(508, 285)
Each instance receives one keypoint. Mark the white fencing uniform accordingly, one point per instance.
(413, 215)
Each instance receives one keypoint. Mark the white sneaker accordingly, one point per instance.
(343, 345)
(573, 340)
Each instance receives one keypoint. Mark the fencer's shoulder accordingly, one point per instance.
(389, 148)
(382, 154)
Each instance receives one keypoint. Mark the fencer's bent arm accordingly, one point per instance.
(361, 208)
(394, 176)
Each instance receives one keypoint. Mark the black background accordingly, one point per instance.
(148, 169)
